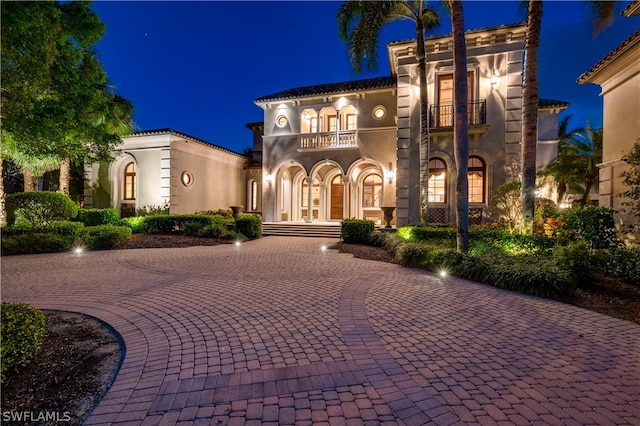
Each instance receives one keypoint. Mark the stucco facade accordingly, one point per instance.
(618, 74)
(162, 167)
(308, 136)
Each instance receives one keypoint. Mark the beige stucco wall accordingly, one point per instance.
(620, 82)
(218, 178)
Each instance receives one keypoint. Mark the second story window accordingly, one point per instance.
(332, 123)
(351, 122)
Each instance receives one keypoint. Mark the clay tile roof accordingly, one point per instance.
(632, 8)
(552, 103)
(623, 47)
(167, 131)
(332, 88)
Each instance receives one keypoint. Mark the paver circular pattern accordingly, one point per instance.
(278, 331)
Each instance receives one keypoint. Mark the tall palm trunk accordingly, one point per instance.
(3, 214)
(461, 124)
(65, 176)
(30, 181)
(424, 124)
(530, 114)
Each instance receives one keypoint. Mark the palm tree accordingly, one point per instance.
(359, 25)
(589, 147)
(602, 13)
(461, 124)
(561, 170)
(530, 115)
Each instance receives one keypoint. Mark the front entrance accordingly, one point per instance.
(337, 198)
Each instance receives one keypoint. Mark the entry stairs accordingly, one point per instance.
(301, 229)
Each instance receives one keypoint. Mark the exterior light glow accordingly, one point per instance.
(390, 174)
(268, 177)
(494, 80)
(323, 248)
(237, 243)
(443, 273)
(78, 251)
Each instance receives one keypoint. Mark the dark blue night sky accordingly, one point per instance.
(197, 67)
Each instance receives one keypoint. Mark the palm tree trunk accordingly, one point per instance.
(30, 181)
(424, 125)
(530, 115)
(3, 213)
(65, 176)
(461, 125)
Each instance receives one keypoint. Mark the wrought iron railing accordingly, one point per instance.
(328, 140)
(442, 115)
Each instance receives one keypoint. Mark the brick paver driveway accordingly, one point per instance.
(279, 332)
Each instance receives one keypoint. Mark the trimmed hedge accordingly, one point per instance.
(104, 237)
(136, 223)
(249, 225)
(95, 217)
(176, 223)
(23, 328)
(356, 231)
(39, 208)
(61, 227)
(623, 263)
(35, 243)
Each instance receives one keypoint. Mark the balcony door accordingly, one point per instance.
(445, 98)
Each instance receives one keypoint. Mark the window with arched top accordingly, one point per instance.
(130, 181)
(372, 191)
(437, 181)
(476, 176)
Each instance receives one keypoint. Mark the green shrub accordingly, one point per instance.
(249, 225)
(38, 242)
(105, 236)
(429, 232)
(377, 239)
(175, 223)
(39, 208)
(215, 230)
(411, 254)
(192, 228)
(153, 209)
(95, 217)
(60, 227)
(23, 328)
(576, 257)
(624, 263)
(356, 231)
(234, 236)
(136, 223)
(220, 212)
(592, 224)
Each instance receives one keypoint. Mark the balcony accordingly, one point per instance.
(329, 140)
(442, 115)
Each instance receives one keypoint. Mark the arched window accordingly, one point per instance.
(476, 175)
(371, 191)
(253, 201)
(130, 182)
(437, 181)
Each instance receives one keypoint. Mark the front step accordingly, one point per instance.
(301, 230)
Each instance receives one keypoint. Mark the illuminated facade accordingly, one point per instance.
(345, 150)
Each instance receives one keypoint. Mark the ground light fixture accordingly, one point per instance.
(77, 251)
(323, 247)
(237, 243)
(443, 273)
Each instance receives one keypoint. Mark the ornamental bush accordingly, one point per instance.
(249, 225)
(23, 328)
(593, 224)
(356, 231)
(136, 223)
(95, 217)
(38, 242)
(104, 237)
(39, 208)
(623, 262)
(175, 223)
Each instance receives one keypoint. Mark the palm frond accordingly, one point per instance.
(602, 14)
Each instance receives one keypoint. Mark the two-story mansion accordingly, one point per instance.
(343, 150)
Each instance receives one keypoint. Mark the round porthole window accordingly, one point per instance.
(379, 112)
(187, 178)
(281, 121)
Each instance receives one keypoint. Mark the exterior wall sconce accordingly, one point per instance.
(268, 177)
(494, 80)
(390, 174)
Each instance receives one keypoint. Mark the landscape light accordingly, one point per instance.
(323, 248)
(78, 251)
(237, 243)
(443, 273)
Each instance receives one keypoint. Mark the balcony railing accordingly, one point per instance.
(442, 115)
(329, 140)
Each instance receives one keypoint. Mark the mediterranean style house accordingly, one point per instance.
(343, 150)
(618, 74)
